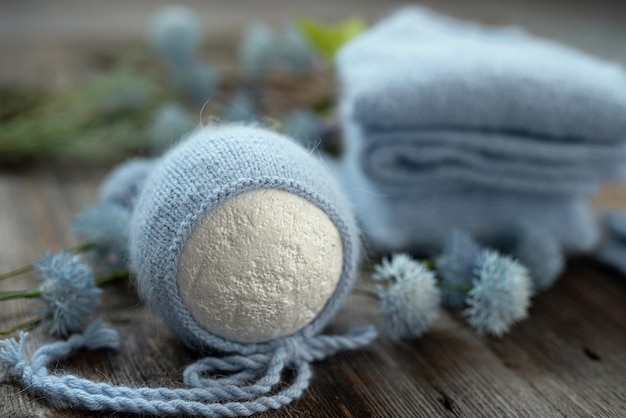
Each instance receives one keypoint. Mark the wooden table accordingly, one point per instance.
(567, 359)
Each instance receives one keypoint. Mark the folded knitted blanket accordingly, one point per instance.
(449, 124)
(421, 222)
(432, 102)
(419, 69)
(405, 161)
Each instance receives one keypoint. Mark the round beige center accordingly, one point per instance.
(259, 266)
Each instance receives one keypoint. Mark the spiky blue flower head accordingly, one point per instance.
(198, 81)
(170, 123)
(304, 126)
(124, 182)
(540, 253)
(455, 266)
(296, 54)
(240, 109)
(107, 226)
(121, 91)
(500, 295)
(175, 34)
(258, 51)
(410, 304)
(68, 290)
(398, 267)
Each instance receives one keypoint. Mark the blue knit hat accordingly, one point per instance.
(190, 183)
(211, 167)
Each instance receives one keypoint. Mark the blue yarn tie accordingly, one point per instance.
(244, 392)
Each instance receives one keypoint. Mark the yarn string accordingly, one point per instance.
(234, 395)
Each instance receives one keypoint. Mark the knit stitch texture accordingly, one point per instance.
(185, 185)
(228, 395)
(453, 125)
(210, 167)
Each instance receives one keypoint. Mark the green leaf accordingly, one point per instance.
(328, 39)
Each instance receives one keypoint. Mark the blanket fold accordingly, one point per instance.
(406, 161)
(454, 125)
(418, 69)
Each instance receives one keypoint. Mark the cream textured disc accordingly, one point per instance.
(262, 265)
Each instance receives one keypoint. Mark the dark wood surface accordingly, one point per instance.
(567, 359)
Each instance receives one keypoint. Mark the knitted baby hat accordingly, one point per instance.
(273, 275)
(225, 196)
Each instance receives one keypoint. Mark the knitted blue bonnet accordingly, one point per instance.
(191, 180)
(175, 193)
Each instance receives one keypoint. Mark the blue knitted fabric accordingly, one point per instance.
(452, 125)
(190, 180)
(419, 69)
(405, 162)
(184, 186)
(421, 222)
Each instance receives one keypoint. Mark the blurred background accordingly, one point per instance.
(83, 86)
(40, 40)
(58, 46)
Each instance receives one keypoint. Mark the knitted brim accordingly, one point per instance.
(191, 180)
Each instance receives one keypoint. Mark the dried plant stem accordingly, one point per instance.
(112, 277)
(23, 325)
(17, 272)
(30, 267)
(365, 292)
(20, 294)
(35, 293)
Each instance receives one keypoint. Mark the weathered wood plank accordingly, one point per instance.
(569, 351)
(601, 288)
(567, 359)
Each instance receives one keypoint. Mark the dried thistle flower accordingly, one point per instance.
(410, 302)
(175, 34)
(106, 225)
(258, 51)
(69, 291)
(305, 127)
(500, 294)
(455, 266)
(170, 123)
(540, 254)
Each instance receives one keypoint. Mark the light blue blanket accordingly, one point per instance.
(421, 222)
(450, 124)
(407, 161)
(418, 69)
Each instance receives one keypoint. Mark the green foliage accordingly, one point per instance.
(118, 113)
(99, 120)
(328, 39)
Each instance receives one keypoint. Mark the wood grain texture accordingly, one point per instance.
(567, 359)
